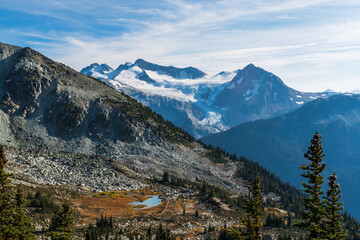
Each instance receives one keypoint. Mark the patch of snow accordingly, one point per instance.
(211, 119)
(299, 96)
(311, 97)
(215, 90)
(234, 84)
(100, 68)
(256, 89)
(248, 92)
(98, 75)
(231, 86)
(167, 86)
(299, 102)
(113, 74)
(356, 91)
(180, 89)
(351, 118)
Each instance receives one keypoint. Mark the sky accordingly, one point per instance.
(312, 45)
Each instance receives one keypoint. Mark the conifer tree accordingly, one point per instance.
(314, 210)
(252, 220)
(333, 208)
(22, 224)
(166, 177)
(288, 218)
(254, 211)
(7, 230)
(62, 223)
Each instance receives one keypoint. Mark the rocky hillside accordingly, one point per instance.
(53, 118)
(68, 135)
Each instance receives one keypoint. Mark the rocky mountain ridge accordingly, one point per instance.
(203, 104)
(52, 111)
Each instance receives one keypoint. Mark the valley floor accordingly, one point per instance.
(181, 211)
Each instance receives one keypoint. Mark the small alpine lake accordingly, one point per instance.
(153, 201)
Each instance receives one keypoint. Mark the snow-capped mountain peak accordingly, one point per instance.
(177, 73)
(96, 70)
(203, 104)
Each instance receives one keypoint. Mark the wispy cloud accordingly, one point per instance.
(310, 44)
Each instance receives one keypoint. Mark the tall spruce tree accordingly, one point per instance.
(253, 219)
(7, 230)
(61, 226)
(333, 207)
(314, 214)
(22, 224)
(254, 212)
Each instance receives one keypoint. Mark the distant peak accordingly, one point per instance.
(250, 66)
(89, 68)
(252, 69)
(188, 72)
(140, 61)
(125, 66)
(224, 73)
(94, 65)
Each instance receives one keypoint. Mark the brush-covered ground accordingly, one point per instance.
(186, 212)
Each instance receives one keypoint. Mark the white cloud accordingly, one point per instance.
(309, 44)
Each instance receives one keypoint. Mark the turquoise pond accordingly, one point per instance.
(151, 202)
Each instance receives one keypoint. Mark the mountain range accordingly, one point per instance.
(65, 117)
(255, 114)
(72, 132)
(203, 104)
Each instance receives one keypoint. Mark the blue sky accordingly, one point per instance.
(312, 45)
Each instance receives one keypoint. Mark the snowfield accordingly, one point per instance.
(190, 98)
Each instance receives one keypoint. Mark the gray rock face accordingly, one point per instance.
(179, 73)
(62, 127)
(255, 94)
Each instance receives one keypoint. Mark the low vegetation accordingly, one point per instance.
(311, 214)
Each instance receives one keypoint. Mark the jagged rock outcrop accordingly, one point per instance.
(56, 117)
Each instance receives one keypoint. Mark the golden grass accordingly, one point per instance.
(115, 203)
(139, 206)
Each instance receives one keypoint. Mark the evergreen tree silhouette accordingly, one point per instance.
(313, 216)
(333, 207)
